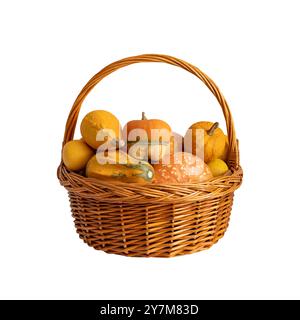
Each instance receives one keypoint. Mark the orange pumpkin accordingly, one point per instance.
(143, 142)
(148, 126)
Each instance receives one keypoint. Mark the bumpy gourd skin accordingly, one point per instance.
(76, 154)
(183, 168)
(98, 120)
(131, 171)
(215, 144)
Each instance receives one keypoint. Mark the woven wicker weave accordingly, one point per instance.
(151, 220)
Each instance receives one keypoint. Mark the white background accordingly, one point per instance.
(50, 49)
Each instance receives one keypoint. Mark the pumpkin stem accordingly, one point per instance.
(211, 131)
(144, 116)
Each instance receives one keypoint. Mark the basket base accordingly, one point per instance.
(152, 230)
(154, 254)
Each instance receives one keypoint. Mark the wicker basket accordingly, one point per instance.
(151, 220)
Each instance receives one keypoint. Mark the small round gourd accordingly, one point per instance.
(76, 154)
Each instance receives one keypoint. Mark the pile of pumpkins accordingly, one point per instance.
(107, 152)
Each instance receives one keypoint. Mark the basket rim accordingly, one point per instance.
(233, 171)
(116, 191)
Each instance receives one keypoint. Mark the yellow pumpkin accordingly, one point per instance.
(119, 166)
(214, 143)
(97, 122)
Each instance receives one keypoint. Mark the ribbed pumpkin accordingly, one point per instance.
(214, 142)
(144, 144)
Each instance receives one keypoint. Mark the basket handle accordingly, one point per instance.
(73, 116)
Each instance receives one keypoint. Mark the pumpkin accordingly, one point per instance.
(119, 166)
(148, 126)
(147, 139)
(101, 123)
(214, 144)
(76, 154)
(183, 168)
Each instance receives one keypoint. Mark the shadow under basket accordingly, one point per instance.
(151, 220)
